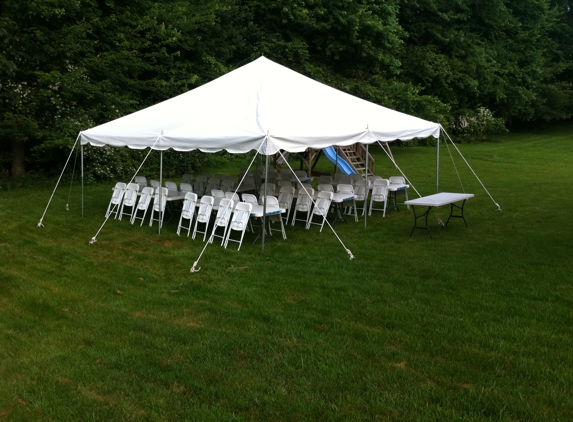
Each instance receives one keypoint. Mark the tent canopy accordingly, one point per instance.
(261, 100)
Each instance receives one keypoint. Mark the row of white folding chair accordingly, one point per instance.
(229, 217)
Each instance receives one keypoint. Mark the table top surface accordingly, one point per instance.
(341, 197)
(438, 199)
(257, 210)
(397, 186)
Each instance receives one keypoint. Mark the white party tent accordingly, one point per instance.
(259, 101)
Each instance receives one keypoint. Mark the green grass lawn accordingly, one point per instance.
(472, 325)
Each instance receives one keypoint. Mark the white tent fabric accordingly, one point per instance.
(258, 101)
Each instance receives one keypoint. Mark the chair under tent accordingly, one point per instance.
(159, 204)
(222, 219)
(187, 212)
(321, 208)
(129, 200)
(203, 215)
(239, 222)
(143, 204)
(116, 199)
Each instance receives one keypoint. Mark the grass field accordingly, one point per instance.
(472, 325)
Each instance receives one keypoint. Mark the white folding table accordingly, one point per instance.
(337, 200)
(257, 211)
(437, 200)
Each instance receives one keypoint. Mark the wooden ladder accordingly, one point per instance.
(355, 155)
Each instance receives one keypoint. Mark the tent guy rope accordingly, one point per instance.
(94, 239)
(194, 268)
(472, 170)
(40, 223)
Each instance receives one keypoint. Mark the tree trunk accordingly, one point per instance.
(18, 166)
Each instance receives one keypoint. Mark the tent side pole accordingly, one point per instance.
(265, 201)
(160, 186)
(438, 166)
(366, 188)
(82, 177)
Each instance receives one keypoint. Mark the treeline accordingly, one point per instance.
(475, 66)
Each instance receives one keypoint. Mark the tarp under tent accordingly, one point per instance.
(259, 101)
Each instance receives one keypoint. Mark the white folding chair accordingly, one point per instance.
(199, 185)
(187, 212)
(273, 218)
(116, 199)
(354, 178)
(323, 201)
(286, 195)
(228, 185)
(250, 199)
(233, 196)
(379, 194)
(324, 179)
(212, 183)
(141, 181)
(271, 187)
(217, 194)
(203, 215)
(361, 190)
(155, 184)
(159, 204)
(143, 204)
(348, 189)
(303, 204)
(222, 219)
(129, 200)
(172, 189)
(185, 187)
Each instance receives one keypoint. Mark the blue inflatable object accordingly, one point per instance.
(343, 166)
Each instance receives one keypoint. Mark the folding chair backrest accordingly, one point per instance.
(345, 188)
(379, 187)
(172, 186)
(232, 195)
(323, 201)
(118, 192)
(241, 215)
(397, 180)
(356, 177)
(187, 178)
(224, 212)
(325, 187)
(206, 205)
(185, 187)
(250, 198)
(141, 181)
(145, 198)
(189, 204)
(324, 180)
(154, 183)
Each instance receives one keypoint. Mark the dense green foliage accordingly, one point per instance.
(472, 65)
(473, 325)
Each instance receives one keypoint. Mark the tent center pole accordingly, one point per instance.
(265, 201)
(365, 189)
(82, 174)
(159, 191)
(438, 166)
